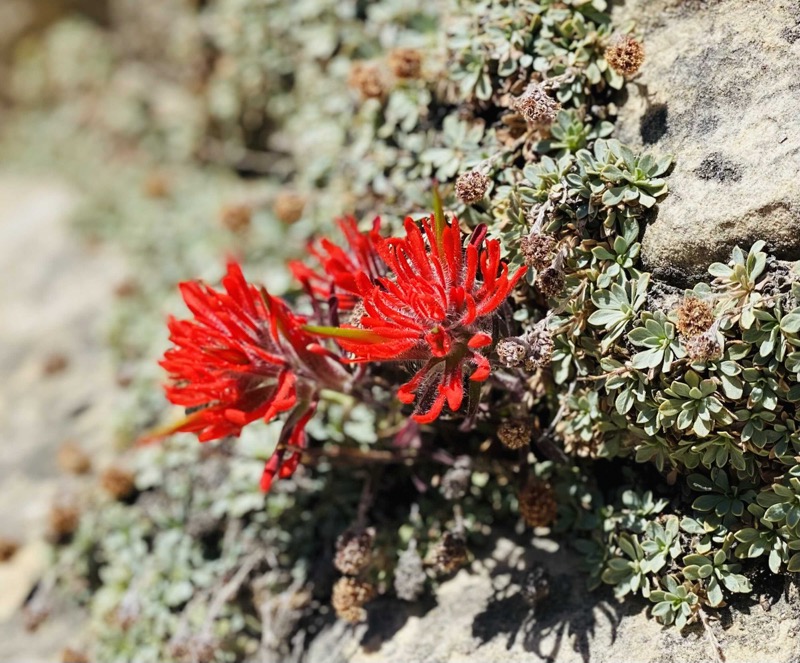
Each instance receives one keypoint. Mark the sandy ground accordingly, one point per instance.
(54, 293)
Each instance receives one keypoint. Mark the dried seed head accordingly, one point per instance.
(512, 351)
(64, 519)
(354, 551)
(537, 503)
(288, 206)
(449, 554)
(368, 79)
(536, 106)
(456, 480)
(515, 433)
(550, 281)
(55, 363)
(540, 342)
(8, 548)
(472, 186)
(409, 575)
(536, 586)
(694, 317)
(69, 655)
(349, 596)
(406, 62)
(118, 483)
(537, 250)
(157, 185)
(237, 218)
(704, 347)
(71, 458)
(625, 55)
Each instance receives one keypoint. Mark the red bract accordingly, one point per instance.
(244, 356)
(341, 266)
(435, 306)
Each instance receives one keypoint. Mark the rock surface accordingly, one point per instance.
(480, 615)
(58, 384)
(719, 89)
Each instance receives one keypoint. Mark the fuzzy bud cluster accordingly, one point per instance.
(537, 250)
(703, 347)
(406, 63)
(625, 55)
(349, 597)
(368, 79)
(537, 503)
(540, 348)
(512, 351)
(695, 316)
(354, 551)
(536, 106)
(515, 433)
(472, 186)
(551, 281)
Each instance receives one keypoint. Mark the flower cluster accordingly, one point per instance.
(428, 297)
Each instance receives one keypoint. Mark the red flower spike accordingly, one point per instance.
(340, 267)
(244, 356)
(438, 308)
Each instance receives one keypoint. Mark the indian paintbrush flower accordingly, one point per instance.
(435, 306)
(245, 356)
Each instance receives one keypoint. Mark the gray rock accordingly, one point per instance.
(720, 90)
(482, 615)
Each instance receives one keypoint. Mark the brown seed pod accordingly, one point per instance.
(354, 551)
(118, 482)
(368, 79)
(72, 459)
(515, 433)
(64, 521)
(349, 597)
(471, 186)
(55, 363)
(288, 206)
(405, 63)
(236, 218)
(8, 548)
(694, 317)
(69, 655)
(537, 503)
(625, 55)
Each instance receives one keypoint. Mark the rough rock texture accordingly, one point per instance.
(54, 296)
(719, 89)
(480, 615)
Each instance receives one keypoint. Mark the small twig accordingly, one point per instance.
(716, 648)
(229, 589)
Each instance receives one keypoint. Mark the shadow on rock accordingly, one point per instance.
(539, 602)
